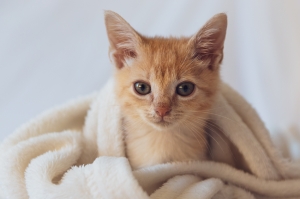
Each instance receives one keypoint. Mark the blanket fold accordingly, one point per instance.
(77, 151)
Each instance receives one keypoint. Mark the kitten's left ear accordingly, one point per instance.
(123, 39)
(209, 40)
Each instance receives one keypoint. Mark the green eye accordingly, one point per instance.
(184, 89)
(142, 88)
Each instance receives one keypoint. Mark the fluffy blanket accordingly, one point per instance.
(77, 151)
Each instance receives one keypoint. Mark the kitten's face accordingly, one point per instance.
(164, 82)
(166, 85)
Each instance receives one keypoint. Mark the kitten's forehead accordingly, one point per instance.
(167, 58)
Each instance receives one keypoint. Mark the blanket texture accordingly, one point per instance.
(77, 151)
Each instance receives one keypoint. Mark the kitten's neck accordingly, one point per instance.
(146, 145)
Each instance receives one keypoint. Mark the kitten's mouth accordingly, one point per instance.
(162, 122)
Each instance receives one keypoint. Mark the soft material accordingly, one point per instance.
(77, 151)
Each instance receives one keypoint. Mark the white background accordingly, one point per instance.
(54, 50)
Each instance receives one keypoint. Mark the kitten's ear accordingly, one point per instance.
(123, 39)
(209, 40)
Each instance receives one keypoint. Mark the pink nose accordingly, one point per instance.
(162, 111)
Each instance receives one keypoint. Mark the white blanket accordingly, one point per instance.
(77, 151)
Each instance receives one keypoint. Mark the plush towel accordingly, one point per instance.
(77, 151)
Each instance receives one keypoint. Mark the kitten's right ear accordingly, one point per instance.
(123, 39)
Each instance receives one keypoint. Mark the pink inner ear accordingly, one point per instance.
(120, 56)
(130, 53)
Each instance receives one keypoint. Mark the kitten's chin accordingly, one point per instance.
(161, 124)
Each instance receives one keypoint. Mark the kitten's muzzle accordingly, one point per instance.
(163, 111)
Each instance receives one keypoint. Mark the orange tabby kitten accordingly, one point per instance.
(165, 87)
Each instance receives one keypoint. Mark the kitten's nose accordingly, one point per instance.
(162, 111)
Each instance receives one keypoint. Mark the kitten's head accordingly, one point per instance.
(166, 81)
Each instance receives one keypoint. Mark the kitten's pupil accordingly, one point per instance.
(142, 87)
(185, 88)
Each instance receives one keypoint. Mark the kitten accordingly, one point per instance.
(165, 87)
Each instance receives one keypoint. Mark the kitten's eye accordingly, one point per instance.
(142, 88)
(185, 89)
